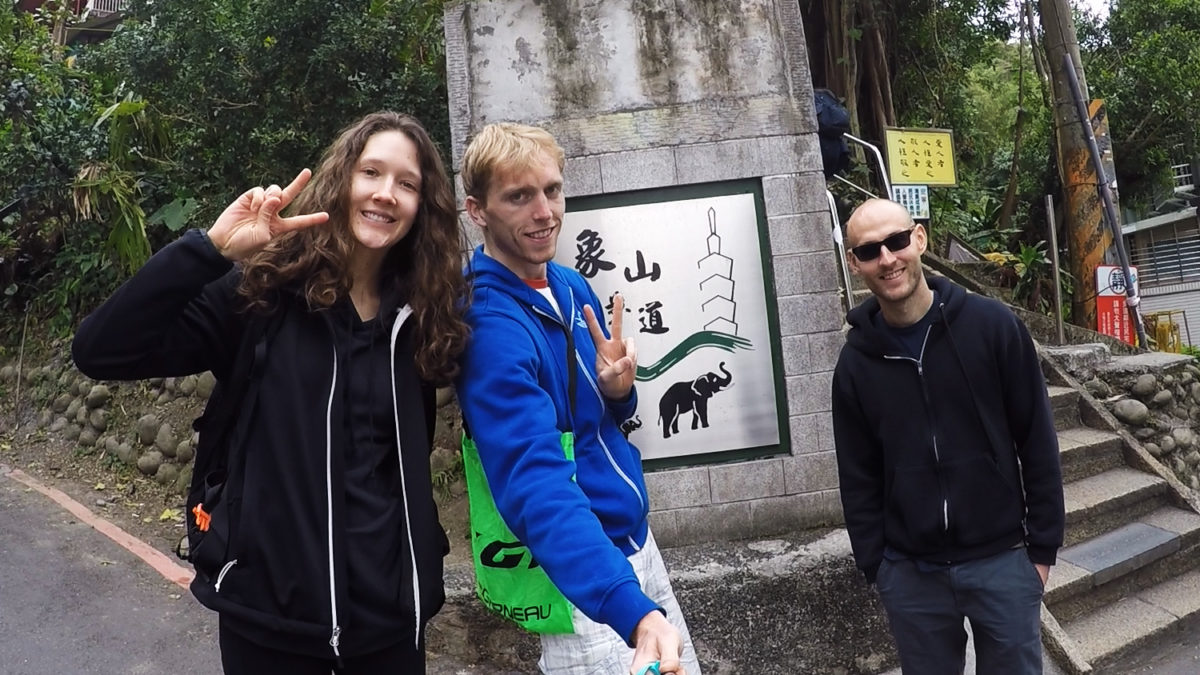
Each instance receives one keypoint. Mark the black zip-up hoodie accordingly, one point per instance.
(928, 448)
(284, 581)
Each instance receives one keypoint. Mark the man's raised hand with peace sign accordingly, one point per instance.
(616, 358)
(252, 220)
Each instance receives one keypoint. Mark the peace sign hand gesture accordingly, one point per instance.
(616, 359)
(252, 220)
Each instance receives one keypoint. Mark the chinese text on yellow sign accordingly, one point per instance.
(921, 156)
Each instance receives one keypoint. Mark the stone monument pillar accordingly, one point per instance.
(663, 105)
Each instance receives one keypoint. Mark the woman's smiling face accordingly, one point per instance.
(385, 190)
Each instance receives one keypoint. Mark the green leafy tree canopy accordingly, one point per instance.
(254, 90)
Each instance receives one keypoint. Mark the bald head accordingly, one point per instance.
(876, 215)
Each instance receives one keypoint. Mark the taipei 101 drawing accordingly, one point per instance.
(706, 372)
(716, 289)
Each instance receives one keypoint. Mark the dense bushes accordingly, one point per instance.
(116, 146)
(47, 131)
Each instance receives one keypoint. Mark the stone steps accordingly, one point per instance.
(1106, 633)
(1099, 570)
(1064, 403)
(1103, 502)
(1085, 452)
(1131, 563)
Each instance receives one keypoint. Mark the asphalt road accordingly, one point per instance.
(74, 602)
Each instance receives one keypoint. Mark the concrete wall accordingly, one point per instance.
(652, 93)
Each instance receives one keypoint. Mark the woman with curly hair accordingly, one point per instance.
(311, 521)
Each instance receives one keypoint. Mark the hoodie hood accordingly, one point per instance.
(486, 273)
(865, 334)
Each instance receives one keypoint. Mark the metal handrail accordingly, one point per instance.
(883, 175)
(840, 244)
(10, 207)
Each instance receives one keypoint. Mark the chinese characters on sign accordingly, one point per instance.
(1112, 315)
(921, 157)
(915, 198)
(691, 274)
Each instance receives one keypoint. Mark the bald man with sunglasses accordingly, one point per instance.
(947, 457)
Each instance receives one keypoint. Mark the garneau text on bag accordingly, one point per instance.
(508, 579)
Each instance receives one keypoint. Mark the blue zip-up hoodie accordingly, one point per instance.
(513, 392)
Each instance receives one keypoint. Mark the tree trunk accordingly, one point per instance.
(877, 73)
(841, 61)
(1010, 194)
(1087, 237)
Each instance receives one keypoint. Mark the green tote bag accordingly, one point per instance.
(508, 580)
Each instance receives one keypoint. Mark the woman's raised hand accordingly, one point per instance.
(252, 220)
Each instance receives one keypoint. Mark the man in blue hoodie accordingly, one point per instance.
(583, 519)
(947, 457)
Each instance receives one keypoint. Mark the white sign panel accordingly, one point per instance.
(691, 274)
(915, 198)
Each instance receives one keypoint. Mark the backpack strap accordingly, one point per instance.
(244, 409)
(225, 421)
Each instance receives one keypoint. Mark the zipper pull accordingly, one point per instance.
(336, 637)
(333, 642)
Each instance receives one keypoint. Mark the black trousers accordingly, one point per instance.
(1001, 596)
(240, 656)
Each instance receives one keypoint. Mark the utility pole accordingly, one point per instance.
(1083, 219)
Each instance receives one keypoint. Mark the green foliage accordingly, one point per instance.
(1145, 63)
(1000, 85)
(255, 90)
(185, 106)
(137, 141)
(47, 118)
(941, 40)
(1030, 274)
(966, 211)
(77, 279)
(1191, 350)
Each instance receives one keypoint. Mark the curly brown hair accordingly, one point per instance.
(426, 265)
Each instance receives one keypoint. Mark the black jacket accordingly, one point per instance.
(283, 580)
(928, 449)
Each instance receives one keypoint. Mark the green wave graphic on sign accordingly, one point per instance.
(701, 340)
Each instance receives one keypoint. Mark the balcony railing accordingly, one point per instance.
(1171, 255)
(101, 8)
(1183, 176)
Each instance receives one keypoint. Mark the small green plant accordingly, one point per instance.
(1030, 274)
(1191, 350)
(444, 478)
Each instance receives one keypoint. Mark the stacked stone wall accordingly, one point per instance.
(1162, 410)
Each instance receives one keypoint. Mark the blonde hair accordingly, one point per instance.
(513, 146)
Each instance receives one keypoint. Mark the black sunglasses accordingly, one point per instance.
(894, 242)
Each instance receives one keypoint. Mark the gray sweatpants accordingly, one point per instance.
(596, 649)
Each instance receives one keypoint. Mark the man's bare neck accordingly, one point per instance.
(910, 310)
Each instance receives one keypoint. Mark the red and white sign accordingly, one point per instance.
(1112, 317)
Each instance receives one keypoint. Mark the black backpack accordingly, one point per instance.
(833, 121)
(217, 472)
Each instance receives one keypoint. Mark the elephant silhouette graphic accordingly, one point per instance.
(631, 425)
(690, 395)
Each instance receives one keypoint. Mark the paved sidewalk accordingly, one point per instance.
(73, 602)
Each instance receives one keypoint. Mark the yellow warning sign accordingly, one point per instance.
(921, 156)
